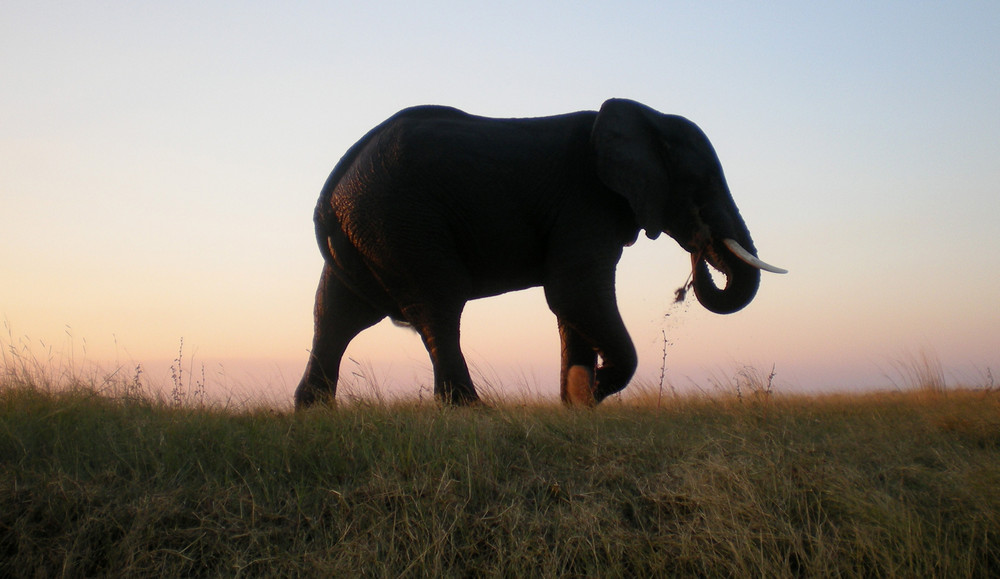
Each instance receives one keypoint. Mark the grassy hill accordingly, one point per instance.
(888, 484)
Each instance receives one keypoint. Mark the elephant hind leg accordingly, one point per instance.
(340, 315)
(439, 328)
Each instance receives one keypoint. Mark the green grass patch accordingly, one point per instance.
(94, 482)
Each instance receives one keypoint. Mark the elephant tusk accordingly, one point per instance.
(750, 258)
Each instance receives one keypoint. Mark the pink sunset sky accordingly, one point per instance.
(159, 164)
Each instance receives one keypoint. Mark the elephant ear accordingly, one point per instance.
(629, 157)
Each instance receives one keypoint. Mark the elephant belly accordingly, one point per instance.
(493, 287)
(496, 268)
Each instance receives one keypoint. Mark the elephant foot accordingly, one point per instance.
(456, 394)
(580, 386)
(309, 397)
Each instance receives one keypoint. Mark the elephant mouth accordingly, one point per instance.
(741, 269)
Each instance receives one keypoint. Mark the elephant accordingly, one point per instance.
(435, 207)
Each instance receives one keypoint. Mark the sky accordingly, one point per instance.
(159, 164)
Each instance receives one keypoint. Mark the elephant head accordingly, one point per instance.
(667, 169)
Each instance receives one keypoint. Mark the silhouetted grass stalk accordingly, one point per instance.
(922, 371)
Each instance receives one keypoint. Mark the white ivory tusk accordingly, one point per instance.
(748, 257)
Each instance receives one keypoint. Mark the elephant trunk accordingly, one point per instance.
(742, 280)
(724, 243)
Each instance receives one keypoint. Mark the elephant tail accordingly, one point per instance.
(321, 220)
(349, 266)
(345, 260)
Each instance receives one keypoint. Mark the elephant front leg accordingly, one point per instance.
(577, 374)
(590, 331)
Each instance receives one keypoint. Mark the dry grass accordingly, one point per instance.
(922, 371)
(97, 478)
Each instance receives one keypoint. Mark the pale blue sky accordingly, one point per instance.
(159, 163)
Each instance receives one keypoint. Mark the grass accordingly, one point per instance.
(97, 479)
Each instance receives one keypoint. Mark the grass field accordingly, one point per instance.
(98, 478)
